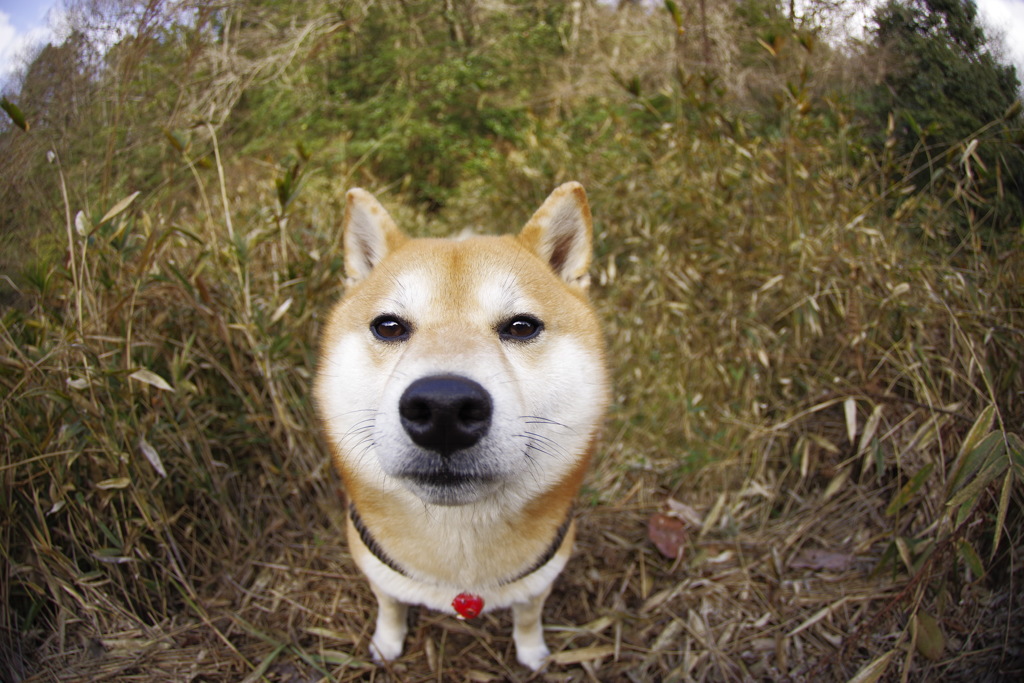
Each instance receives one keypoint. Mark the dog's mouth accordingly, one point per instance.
(444, 484)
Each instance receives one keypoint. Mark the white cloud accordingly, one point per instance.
(1005, 20)
(16, 46)
(8, 34)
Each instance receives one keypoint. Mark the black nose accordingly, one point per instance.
(445, 413)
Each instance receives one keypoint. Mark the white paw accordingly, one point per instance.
(533, 656)
(386, 647)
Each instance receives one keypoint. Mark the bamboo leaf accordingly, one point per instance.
(585, 654)
(888, 558)
(965, 510)
(82, 226)
(873, 670)
(928, 637)
(152, 456)
(982, 426)
(909, 489)
(149, 377)
(677, 16)
(870, 427)
(119, 207)
(971, 559)
(1004, 503)
(994, 467)
(980, 457)
(1016, 449)
(836, 484)
(13, 111)
(817, 616)
(116, 483)
(281, 310)
(850, 409)
(174, 138)
(257, 673)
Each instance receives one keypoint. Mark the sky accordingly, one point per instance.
(24, 23)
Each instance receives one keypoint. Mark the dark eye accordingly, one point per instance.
(521, 328)
(389, 328)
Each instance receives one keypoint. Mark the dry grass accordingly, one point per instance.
(807, 372)
(734, 395)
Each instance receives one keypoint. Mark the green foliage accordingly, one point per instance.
(14, 112)
(947, 91)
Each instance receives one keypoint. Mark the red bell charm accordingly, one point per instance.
(467, 605)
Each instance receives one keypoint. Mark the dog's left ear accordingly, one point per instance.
(560, 233)
(370, 234)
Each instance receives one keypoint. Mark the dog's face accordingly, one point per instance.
(456, 371)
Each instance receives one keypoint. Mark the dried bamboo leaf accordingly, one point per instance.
(818, 616)
(583, 654)
(870, 428)
(114, 484)
(873, 670)
(928, 637)
(281, 310)
(82, 226)
(119, 207)
(850, 410)
(836, 484)
(152, 456)
(151, 378)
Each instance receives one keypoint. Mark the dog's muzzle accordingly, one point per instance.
(445, 413)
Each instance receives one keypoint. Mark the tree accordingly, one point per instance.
(943, 86)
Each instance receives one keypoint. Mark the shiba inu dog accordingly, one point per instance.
(461, 386)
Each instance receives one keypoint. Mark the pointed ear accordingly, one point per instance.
(370, 234)
(560, 233)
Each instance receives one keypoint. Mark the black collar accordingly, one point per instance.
(371, 544)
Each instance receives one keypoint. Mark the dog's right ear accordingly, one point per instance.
(370, 234)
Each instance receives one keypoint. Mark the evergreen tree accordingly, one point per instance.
(943, 86)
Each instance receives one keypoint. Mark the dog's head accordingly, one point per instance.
(456, 370)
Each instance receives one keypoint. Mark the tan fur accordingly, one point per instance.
(548, 393)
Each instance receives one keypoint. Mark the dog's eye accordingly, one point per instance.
(390, 328)
(521, 328)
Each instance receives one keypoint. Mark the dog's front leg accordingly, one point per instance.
(528, 631)
(392, 626)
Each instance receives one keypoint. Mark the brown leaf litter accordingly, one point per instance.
(752, 599)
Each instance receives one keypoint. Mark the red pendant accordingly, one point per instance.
(468, 606)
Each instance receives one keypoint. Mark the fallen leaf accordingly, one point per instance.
(817, 616)
(872, 671)
(584, 654)
(822, 559)
(668, 534)
(684, 512)
(928, 636)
